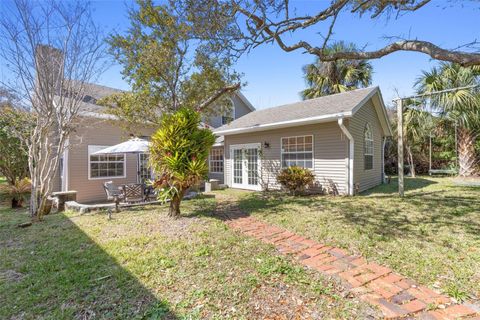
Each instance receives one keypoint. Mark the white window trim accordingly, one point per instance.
(138, 168)
(106, 178)
(367, 125)
(313, 150)
(210, 159)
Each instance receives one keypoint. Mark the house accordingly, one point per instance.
(340, 137)
(80, 170)
(85, 173)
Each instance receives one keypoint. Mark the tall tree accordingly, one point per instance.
(460, 106)
(171, 62)
(15, 128)
(276, 21)
(324, 78)
(51, 49)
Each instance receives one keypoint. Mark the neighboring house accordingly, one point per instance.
(340, 137)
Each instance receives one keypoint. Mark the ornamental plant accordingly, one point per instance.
(178, 153)
(18, 192)
(295, 179)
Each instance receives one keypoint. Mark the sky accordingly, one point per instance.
(274, 77)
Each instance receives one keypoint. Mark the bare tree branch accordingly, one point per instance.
(261, 29)
(52, 49)
(217, 95)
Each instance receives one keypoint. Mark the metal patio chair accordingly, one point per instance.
(133, 192)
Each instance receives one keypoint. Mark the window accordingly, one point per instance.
(297, 151)
(229, 115)
(216, 161)
(144, 170)
(105, 166)
(368, 148)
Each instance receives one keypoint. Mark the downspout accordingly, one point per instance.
(351, 151)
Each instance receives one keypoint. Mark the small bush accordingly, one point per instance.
(295, 179)
(18, 193)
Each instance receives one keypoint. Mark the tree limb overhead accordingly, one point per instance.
(217, 95)
(262, 28)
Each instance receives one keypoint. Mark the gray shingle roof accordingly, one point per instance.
(94, 92)
(341, 103)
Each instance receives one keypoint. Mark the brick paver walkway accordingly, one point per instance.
(395, 295)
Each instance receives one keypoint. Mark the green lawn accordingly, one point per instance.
(141, 265)
(432, 235)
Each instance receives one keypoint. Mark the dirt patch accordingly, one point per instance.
(11, 276)
(123, 225)
(279, 301)
(467, 181)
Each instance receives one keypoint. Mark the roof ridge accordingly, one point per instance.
(315, 99)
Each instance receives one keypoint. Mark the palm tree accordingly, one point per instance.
(460, 106)
(418, 125)
(329, 77)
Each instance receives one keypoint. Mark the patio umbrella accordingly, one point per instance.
(134, 145)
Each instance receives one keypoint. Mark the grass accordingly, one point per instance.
(142, 265)
(3, 198)
(431, 236)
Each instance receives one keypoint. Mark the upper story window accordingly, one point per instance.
(368, 148)
(216, 160)
(229, 115)
(297, 151)
(105, 166)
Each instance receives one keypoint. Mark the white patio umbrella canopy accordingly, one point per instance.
(134, 145)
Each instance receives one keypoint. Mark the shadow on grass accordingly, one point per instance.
(61, 273)
(378, 212)
(391, 188)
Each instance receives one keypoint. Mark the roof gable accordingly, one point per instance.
(323, 109)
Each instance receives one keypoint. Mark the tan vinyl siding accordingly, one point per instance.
(102, 133)
(330, 152)
(366, 178)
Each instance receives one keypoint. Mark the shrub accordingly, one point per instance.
(295, 179)
(17, 192)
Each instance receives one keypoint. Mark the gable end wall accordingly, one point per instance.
(366, 178)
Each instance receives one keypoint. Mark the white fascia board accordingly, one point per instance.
(385, 114)
(386, 130)
(285, 124)
(364, 100)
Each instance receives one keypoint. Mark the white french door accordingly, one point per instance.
(144, 172)
(246, 166)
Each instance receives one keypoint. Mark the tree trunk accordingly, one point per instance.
(411, 163)
(16, 203)
(174, 211)
(467, 161)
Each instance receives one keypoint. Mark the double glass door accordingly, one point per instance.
(144, 172)
(246, 166)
